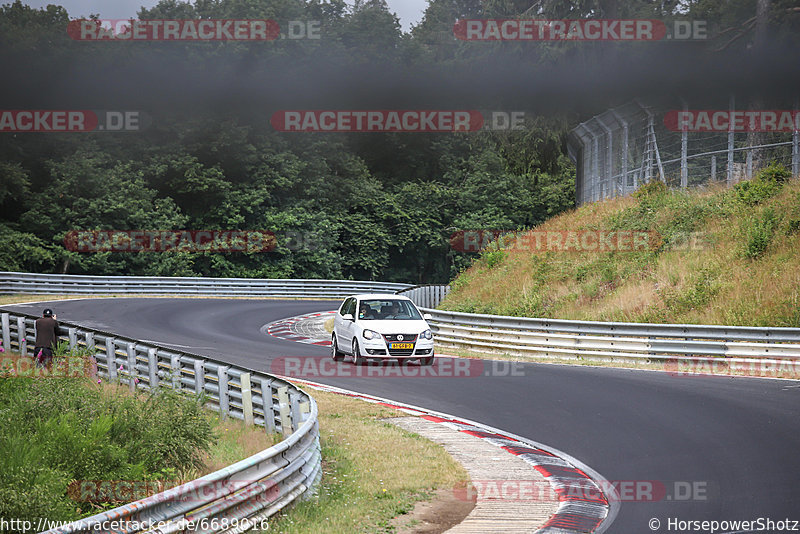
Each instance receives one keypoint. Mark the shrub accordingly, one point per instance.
(493, 257)
(767, 182)
(651, 188)
(774, 172)
(759, 234)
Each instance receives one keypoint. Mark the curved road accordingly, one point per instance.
(735, 440)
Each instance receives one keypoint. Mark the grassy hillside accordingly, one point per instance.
(724, 256)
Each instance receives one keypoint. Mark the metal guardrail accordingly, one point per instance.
(252, 489)
(69, 284)
(427, 296)
(612, 340)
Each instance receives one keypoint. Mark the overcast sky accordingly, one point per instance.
(409, 11)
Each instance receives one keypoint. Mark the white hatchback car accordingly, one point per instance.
(381, 326)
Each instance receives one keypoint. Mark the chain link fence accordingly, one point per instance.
(622, 148)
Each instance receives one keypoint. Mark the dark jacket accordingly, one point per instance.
(46, 332)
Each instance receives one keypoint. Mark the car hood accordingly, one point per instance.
(391, 326)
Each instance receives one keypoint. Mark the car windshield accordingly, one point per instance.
(388, 310)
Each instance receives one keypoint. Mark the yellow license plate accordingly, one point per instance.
(401, 345)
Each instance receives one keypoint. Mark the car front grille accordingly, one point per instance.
(401, 352)
(407, 338)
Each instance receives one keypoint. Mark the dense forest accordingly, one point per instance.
(341, 205)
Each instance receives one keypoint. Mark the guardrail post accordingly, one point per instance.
(305, 409)
(175, 366)
(266, 398)
(199, 377)
(222, 380)
(111, 358)
(284, 408)
(72, 334)
(131, 366)
(90, 340)
(23, 336)
(152, 367)
(297, 414)
(247, 398)
(6, 333)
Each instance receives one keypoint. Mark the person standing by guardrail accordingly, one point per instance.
(46, 338)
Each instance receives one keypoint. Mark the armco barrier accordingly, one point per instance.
(250, 490)
(69, 284)
(609, 340)
(427, 296)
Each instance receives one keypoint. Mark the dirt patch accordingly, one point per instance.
(444, 511)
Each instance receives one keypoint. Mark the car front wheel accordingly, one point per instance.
(426, 361)
(358, 359)
(336, 354)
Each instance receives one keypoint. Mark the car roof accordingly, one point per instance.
(379, 296)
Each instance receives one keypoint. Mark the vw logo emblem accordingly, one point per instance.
(400, 337)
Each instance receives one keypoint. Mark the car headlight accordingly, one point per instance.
(370, 334)
(427, 334)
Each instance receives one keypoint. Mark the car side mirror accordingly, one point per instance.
(347, 317)
(427, 316)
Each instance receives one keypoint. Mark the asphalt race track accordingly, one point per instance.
(737, 440)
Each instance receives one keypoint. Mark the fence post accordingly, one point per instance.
(89, 340)
(111, 358)
(749, 164)
(247, 398)
(222, 381)
(269, 413)
(72, 334)
(23, 336)
(795, 146)
(713, 168)
(284, 407)
(595, 166)
(6, 333)
(297, 413)
(152, 367)
(624, 161)
(175, 367)
(684, 152)
(730, 142)
(131, 366)
(199, 377)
